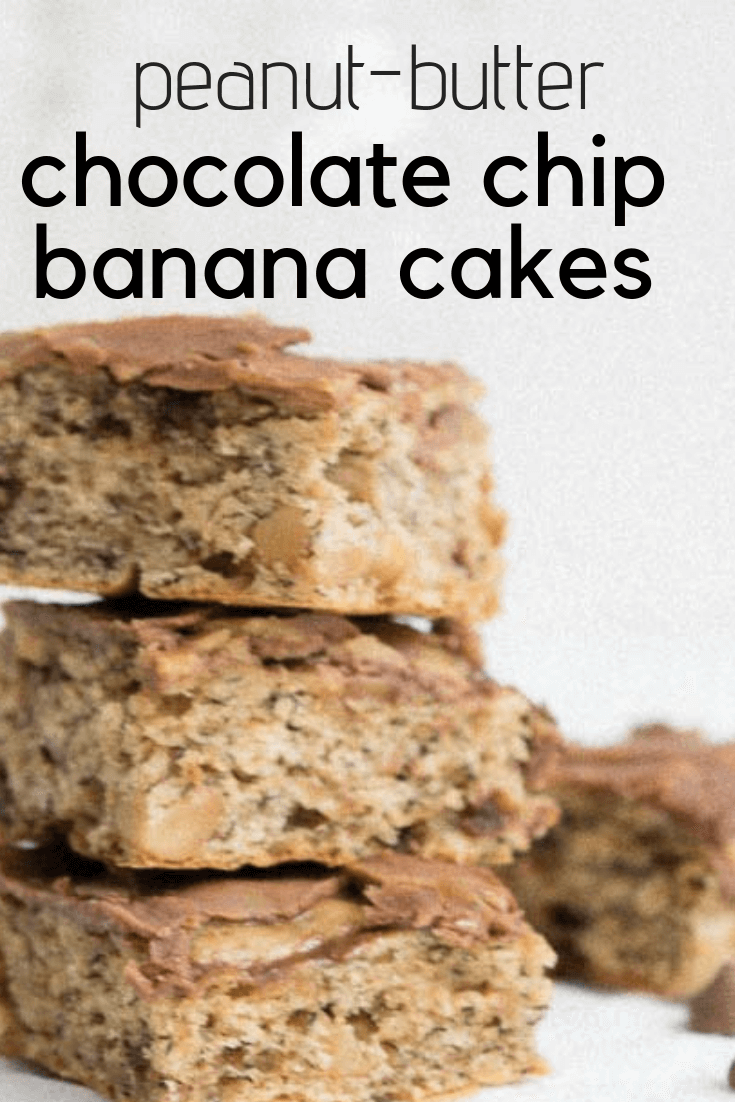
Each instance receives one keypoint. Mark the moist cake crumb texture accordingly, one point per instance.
(207, 738)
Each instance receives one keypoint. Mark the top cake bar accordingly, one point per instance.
(196, 458)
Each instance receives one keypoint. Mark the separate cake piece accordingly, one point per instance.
(635, 887)
(194, 458)
(398, 979)
(211, 738)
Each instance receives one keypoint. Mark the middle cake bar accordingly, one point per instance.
(167, 736)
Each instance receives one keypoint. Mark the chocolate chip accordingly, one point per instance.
(713, 1010)
(731, 1076)
(485, 819)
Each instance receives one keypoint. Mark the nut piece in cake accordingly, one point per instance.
(396, 979)
(201, 737)
(195, 458)
(635, 886)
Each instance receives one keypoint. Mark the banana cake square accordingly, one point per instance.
(156, 735)
(635, 886)
(197, 458)
(396, 979)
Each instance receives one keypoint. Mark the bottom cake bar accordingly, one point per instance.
(397, 979)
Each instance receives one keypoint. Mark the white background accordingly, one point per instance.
(612, 420)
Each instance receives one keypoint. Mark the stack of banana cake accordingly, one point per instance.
(251, 799)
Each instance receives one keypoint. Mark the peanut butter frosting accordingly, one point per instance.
(673, 770)
(255, 923)
(185, 645)
(196, 353)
